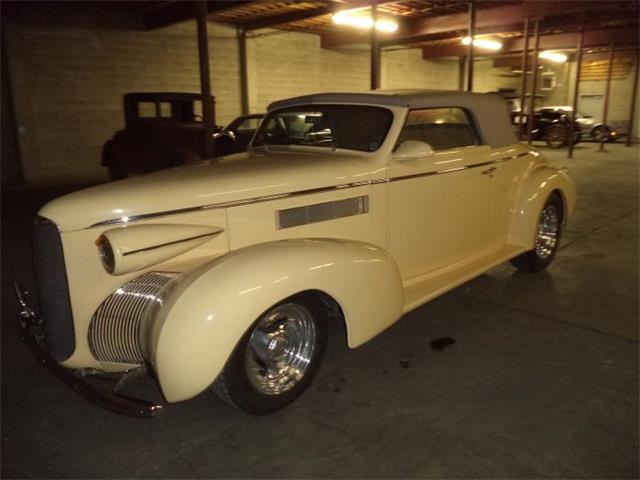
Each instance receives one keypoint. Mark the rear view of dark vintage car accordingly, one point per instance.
(166, 129)
(550, 126)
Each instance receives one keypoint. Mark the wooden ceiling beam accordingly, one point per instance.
(180, 11)
(561, 41)
(294, 16)
(495, 18)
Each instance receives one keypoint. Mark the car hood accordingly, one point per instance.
(250, 175)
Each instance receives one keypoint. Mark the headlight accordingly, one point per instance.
(105, 251)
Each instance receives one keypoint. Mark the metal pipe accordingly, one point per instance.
(534, 80)
(472, 33)
(375, 51)
(244, 83)
(634, 99)
(208, 114)
(576, 91)
(462, 61)
(523, 87)
(607, 91)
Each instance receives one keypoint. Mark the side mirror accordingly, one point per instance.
(412, 150)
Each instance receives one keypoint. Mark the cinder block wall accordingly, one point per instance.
(619, 99)
(284, 65)
(68, 82)
(68, 86)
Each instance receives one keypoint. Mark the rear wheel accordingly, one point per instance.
(557, 136)
(112, 159)
(548, 234)
(277, 358)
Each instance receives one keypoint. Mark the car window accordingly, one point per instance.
(165, 110)
(146, 110)
(442, 128)
(353, 127)
(249, 124)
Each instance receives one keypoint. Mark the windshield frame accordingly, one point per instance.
(329, 146)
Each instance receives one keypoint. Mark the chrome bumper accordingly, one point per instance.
(112, 401)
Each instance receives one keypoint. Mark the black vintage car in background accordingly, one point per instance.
(165, 129)
(550, 126)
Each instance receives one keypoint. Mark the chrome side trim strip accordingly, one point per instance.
(321, 212)
(153, 247)
(234, 203)
(299, 193)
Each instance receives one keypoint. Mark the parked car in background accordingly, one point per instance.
(552, 127)
(222, 275)
(240, 132)
(591, 127)
(165, 129)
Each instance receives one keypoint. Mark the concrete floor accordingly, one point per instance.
(541, 382)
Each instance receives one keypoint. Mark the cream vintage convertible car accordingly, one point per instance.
(222, 275)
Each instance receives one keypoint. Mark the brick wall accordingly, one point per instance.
(68, 82)
(289, 64)
(68, 86)
(591, 94)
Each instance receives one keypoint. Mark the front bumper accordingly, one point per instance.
(110, 400)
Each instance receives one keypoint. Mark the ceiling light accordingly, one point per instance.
(483, 43)
(553, 56)
(364, 21)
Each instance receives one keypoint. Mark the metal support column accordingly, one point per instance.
(208, 114)
(462, 61)
(576, 91)
(607, 91)
(534, 80)
(472, 34)
(244, 84)
(375, 51)
(523, 86)
(634, 100)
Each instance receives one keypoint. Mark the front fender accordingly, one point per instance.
(536, 188)
(205, 316)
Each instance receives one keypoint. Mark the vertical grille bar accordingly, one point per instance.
(114, 332)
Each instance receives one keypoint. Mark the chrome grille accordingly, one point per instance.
(114, 332)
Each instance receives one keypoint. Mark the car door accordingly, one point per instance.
(439, 204)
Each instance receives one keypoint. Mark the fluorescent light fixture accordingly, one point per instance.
(364, 21)
(553, 56)
(483, 43)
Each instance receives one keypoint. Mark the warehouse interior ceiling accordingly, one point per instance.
(436, 26)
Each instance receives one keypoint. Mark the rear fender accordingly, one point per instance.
(207, 313)
(536, 189)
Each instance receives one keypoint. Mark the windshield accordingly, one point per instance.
(353, 127)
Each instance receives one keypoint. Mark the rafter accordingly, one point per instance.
(494, 18)
(593, 38)
(179, 11)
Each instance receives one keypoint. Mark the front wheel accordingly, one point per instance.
(601, 133)
(277, 358)
(547, 238)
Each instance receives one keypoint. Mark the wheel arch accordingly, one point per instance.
(208, 312)
(563, 202)
(537, 186)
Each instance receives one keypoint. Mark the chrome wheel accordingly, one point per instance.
(548, 231)
(280, 349)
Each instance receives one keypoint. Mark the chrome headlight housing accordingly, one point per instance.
(105, 250)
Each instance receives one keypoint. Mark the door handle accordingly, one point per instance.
(489, 171)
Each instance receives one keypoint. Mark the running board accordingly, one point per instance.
(420, 290)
